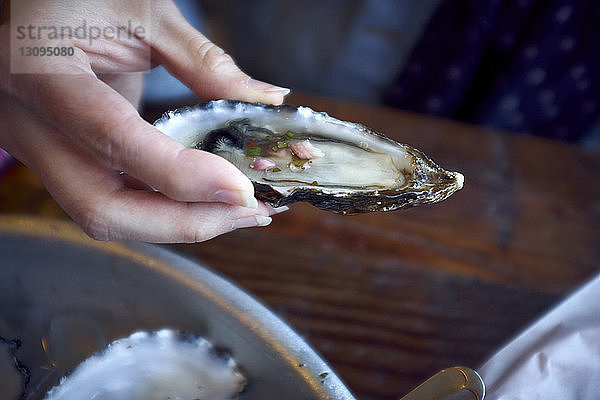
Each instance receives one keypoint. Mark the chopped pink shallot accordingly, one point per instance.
(304, 150)
(263, 164)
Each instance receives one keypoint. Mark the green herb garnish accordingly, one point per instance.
(254, 151)
(275, 170)
(288, 135)
(281, 145)
(298, 162)
(315, 183)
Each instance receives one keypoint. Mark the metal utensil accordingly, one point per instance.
(456, 383)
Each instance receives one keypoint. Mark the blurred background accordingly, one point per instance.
(530, 67)
(391, 298)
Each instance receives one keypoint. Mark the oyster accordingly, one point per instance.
(153, 366)
(295, 154)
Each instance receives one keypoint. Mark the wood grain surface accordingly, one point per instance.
(391, 298)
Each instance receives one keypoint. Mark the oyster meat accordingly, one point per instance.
(295, 154)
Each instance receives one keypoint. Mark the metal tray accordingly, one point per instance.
(65, 296)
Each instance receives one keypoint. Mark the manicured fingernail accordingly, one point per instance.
(235, 197)
(277, 89)
(273, 210)
(267, 87)
(249, 222)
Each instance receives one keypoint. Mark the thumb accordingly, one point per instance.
(203, 66)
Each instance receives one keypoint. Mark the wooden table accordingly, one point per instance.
(390, 298)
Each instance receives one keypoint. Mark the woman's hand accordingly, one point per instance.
(73, 121)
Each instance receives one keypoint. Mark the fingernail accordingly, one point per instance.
(235, 197)
(249, 222)
(277, 89)
(267, 87)
(272, 210)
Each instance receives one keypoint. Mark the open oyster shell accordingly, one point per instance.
(158, 365)
(295, 154)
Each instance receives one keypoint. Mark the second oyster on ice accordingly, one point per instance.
(153, 366)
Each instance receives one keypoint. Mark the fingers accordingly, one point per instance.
(150, 216)
(101, 121)
(203, 66)
(109, 127)
(97, 200)
(128, 85)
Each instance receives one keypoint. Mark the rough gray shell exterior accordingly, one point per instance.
(424, 182)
